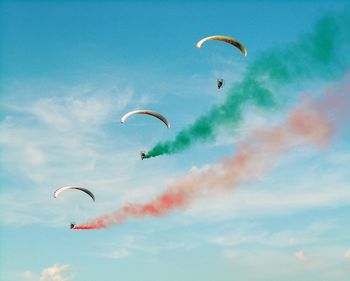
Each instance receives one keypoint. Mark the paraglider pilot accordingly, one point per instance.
(219, 83)
(143, 155)
(72, 225)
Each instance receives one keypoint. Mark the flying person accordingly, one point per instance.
(219, 83)
(143, 155)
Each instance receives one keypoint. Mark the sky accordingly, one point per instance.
(70, 69)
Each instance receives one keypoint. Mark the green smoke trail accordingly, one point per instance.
(321, 54)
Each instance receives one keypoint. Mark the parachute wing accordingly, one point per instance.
(148, 112)
(226, 39)
(60, 190)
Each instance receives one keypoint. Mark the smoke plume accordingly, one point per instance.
(312, 122)
(323, 54)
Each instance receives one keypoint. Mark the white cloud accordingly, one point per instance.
(84, 155)
(28, 275)
(55, 273)
(74, 112)
(50, 142)
(35, 155)
(230, 254)
(307, 188)
(300, 255)
(238, 238)
(318, 260)
(145, 244)
(118, 254)
(347, 254)
(49, 130)
(254, 203)
(256, 236)
(292, 241)
(301, 233)
(270, 264)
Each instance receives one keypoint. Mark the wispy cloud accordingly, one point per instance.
(307, 188)
(28, 275)
(238, 238)
(118, 254)
(302, 233)
(48, 142)
(48, 130)
(134, 245)
(230, 254)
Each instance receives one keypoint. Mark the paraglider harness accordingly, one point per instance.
(219, 83)
(143, 154)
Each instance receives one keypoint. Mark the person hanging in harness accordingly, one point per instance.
(219, 83)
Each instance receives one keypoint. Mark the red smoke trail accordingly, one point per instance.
(311, 122)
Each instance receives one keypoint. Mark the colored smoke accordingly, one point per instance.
(323, 54)
(311, 122)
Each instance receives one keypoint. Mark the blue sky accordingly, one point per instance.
(70, 70)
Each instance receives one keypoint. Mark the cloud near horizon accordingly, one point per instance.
(57, 272)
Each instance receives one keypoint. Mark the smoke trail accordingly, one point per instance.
(310, 122)
(323, 53)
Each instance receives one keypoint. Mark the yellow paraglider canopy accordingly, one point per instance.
(226, 39)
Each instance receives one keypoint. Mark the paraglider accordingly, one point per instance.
(148, 112)
(226, 39)
(219, 83)
(60, 190)
(229, 40)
